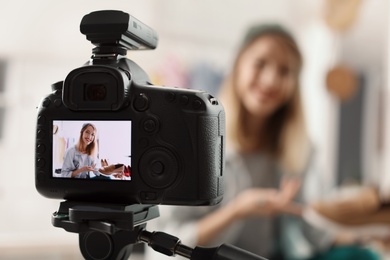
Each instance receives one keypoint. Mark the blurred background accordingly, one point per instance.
(41, 43)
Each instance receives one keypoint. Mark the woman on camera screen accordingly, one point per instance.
(80, 160)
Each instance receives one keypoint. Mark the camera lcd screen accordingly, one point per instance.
(99, 150)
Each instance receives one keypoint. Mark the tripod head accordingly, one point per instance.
(109, 231)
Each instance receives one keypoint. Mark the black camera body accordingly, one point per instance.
(169, 140)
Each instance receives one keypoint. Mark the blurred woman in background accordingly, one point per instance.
(268, 158)
(267, 145)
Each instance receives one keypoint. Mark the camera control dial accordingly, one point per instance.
(159, 167)
(141, 102)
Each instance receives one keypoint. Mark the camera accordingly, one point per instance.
(106, 134)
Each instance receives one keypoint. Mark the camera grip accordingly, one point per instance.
(211, 155)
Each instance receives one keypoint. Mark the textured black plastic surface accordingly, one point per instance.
(188, 138)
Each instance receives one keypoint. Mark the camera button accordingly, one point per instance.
(41, 120)
(46, 102)
(58, 102)
(147, 195)
(141, 103)
(150, 125)
(170, 97)
(41, 148)
(196, 104)
(157, 167)
(41, 134)
(40, 163)
(184, 100)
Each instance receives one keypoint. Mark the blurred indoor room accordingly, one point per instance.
(345, 91)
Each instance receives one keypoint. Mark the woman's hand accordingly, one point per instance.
(254, 202)
(267, 202)
(288, 190)
(87, 168)
(250, 203)
(283, 202)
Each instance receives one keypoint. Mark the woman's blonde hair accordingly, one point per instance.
(92, 148)
(284, 136)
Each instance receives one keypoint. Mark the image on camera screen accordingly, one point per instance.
(98, 150)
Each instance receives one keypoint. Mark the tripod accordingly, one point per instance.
(109, 231)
